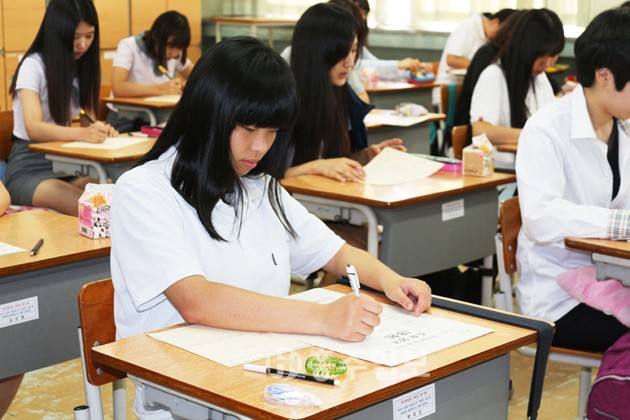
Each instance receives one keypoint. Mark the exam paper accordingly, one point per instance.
(228, 347)
(390, 117)
(392, 166)
(110, 143)
(173, 99)
(6, 249)
(399, 338)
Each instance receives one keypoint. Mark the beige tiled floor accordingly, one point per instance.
(53, 392)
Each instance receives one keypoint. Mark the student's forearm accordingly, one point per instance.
(457, 62)
(213, 304)
(497, 134)
(130, 89)
(42, 132)
(372, 272)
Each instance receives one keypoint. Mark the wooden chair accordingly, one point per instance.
(6, 129)
(506, 242)
(459, 138)
(96, 317)
(104, 92)
(449, 97)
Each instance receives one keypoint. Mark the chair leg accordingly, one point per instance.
(585, 389)
(92, 392)
(119, 398)
(487, 282)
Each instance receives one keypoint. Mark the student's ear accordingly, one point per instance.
(603, 76)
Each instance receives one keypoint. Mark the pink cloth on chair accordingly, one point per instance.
(609, 296)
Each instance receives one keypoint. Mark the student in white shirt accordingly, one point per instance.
(136, 68)
(573, 164)
(202, 231)
(516, 86)
(59, 74)
(463, 43)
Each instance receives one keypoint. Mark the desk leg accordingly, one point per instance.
(64, 164)
(270, 36)
(367, 212)
(487, 281)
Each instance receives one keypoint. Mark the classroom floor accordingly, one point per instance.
(53, 392)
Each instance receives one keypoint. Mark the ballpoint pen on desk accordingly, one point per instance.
(354, 278)
(165, 72)
(35, 249)
(288, 374)
(85, 114)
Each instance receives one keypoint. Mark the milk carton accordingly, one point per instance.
(94, 210)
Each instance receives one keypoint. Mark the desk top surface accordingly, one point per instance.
(141, 102)
(364, 384)
(393, 87)
(124, 154)
(249, 20)
(619, 249)
(510, 148)
(440, 185)
(62, 242)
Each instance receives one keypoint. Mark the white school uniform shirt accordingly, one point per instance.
(462, 42)
(32, 76)
(491, 102)
(565, 189)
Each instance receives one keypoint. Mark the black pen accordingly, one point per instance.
(288, 374)
(35, 249)
(85, 114)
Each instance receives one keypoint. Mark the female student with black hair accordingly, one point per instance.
(59, 74)
(330, 138)
(509, 91)
(147, 64)
(224, 235)
(573, 165)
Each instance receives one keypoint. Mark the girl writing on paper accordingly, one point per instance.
(330, 138)
(226, 236)
(59, 74)
(516, 86)
(148, 64)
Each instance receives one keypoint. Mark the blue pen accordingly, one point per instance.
(354, 279)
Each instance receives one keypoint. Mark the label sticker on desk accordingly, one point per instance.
(19, 311)
(453, 210)
(416, 404)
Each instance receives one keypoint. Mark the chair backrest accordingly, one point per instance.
(510, 222)
(104, 92)
(6, 129)
(459, 138)
(449, 107)
(96, 315)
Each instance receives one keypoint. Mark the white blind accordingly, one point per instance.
(425, 14)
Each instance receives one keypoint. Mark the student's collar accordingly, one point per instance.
(143, 47)
(581, 125)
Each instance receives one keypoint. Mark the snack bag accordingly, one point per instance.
(94, 206)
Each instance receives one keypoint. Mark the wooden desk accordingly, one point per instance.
(471, 379)
(509, 148)
(253, 22)
(64, 263)
(388, 94)
(131, 108)
(106, 163)
(428, 225)
(416, 137)
(611, 258)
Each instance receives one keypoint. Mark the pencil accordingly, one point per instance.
(85, 114)
(165, 73)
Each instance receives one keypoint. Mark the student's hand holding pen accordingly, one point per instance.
(352, 317)
(172, 87)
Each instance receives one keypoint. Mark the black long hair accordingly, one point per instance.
(55, 42)
(323, 36)
(170, 29)
(237, 82)
(536, 33)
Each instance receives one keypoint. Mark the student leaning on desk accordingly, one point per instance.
(330, 138)
(59, 75)
(147, 64)
(202, 232)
